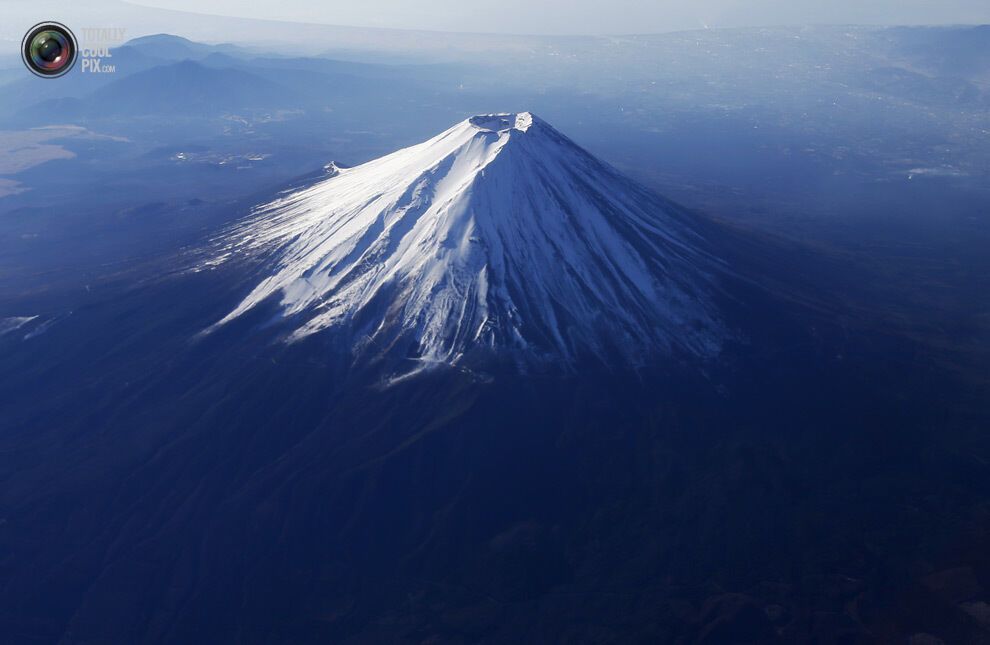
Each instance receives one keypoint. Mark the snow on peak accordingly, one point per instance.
(479, 240)
(502, 122)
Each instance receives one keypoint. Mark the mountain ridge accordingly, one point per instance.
(498, 234)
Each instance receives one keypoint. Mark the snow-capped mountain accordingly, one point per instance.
(499, 234)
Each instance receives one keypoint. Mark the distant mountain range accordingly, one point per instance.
(170, 75)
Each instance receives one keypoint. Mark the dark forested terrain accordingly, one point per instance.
(824, 481)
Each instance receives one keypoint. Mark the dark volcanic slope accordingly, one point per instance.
(822, 481)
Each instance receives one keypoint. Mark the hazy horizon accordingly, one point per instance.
(585, 17)
(513, 17)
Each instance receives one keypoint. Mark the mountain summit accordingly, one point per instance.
(498, 235)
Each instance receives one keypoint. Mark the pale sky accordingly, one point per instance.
(592, 16)
(549, 17)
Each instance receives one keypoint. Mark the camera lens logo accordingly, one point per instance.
(49, 49)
